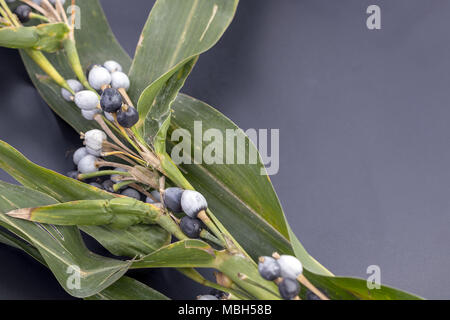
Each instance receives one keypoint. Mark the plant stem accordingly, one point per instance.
(38, 17)
(48, 68)
(122, 184)
(166, 222)
(101, 173)
(74, 61)
(204, 234)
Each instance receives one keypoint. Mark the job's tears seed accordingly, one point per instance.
(87, 164)
(191, 227)
(75, 85)
(290, 266)
(111, 100)
(86, 100)
(130, 192)
(99, 77)
(269, 268)
(172, 199)
(90, 67)
(23, 13)
(79, 154)
(90, 114)
(120, 80)
(289, 288)
(108, 185)
(112, 66)
(73, 174)
(207, 297)
(94, 138)
(127, 118)
(192, 202)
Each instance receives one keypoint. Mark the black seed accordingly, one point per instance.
(311, 296)
(23, 13)
(127, 118)
(130, 192)
(289, 288)
(269, 269)
(111, 100)
(108, 185)
(95, 184)
(172, 199)
(73, 174)
(217, 293)
(191, 227)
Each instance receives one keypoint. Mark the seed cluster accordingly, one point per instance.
(111, 85)
(284, 270)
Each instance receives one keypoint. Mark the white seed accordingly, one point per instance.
(192, 202)
(207, 297)
(290, 267)
(117, 177)
(112, 66)
(75, 85)
(79, 154)
(90, 114)
(120, 80)
(94, 152)
(86, 100)
(94, 138)
(99, 77)
(109, 116)
(87, 164)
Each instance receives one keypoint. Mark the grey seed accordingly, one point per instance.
(290, 266)
(79, 154)
(90, 114)
(289, 288)
(86, 100)
(108, 185)
(75, 85)
(150, 200)
(117, 177)
(94, 152)
(269, 269)
(207, 297)
(172, 199)
(311, 296)
(192, 202)
(156, 195)
(130, 192)
(72, 174)
(98, 77)
(87, 164)
(94, 138)
(120, 80)
(95, 184)
(109, 116)
(112, 66)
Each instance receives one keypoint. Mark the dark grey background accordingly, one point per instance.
(364, 124)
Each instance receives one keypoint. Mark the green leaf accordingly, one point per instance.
(65, 189)
(62, 248)
(127, 288)
(93, 47)
(181, 254)
(240, 197)
(46, 37)
(344, 288)
(176, 32)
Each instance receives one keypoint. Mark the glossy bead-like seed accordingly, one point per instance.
(87, 164)
(207, 297)
(191, 227)
(112, 66)
(130, 192)
(94, 138)
(269, 268)
(111, 100)
(99, 77)
(192, 202)
(127, 118)
(120, 80)
(86, 100)
(289, 288)
(108, 185)
(290, 266)
(172, 199)
(75, 85)
(79, 154)
(23, 13)
(90, 114)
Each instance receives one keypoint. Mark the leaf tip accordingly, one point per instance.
(24, 214)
